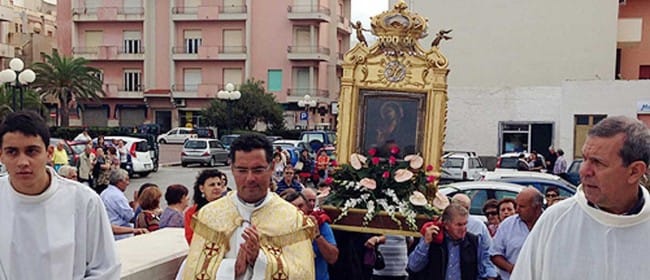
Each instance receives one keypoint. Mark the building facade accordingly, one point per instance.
(163, 61)
(535, 74)
(27, 28)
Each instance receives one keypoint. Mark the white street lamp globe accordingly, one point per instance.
(26, 76)
(230, 87)
(236, 95)
(16, 64)
(7, 76)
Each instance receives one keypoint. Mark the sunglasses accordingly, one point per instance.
(552, 195)
(491, 213)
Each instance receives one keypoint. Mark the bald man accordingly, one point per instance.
(478, 228)
(512, 232)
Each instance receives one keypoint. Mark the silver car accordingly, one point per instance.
(204, 151)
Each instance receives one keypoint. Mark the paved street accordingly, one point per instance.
(171, 172)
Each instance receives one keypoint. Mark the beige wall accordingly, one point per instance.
(524, 43)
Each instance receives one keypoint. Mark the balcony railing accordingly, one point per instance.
(118, 10)
(308, 50)
(233, 9)
(308, 9)
(232, 49)
(123, 50)
(209, 50)
(85, 50)
(185, 10)
(307, 91)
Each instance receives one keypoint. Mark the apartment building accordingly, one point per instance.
(27, 28)
(633, 48)
(163, 61)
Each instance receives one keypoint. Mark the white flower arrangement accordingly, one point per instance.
(394, 186)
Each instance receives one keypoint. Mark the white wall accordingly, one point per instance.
(523, 43)
(474, 113)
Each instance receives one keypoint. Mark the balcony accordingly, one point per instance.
(308, 53)
(108, 53)
(210, 53)
(6, 13)
(309, 12)
(297, 94)
(108, 14)
(629, 32)
(343, 25)
(7, 50)
(203, 90)
(120, 91)
(209, 13)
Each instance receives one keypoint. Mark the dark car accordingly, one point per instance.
(572, 174)
(206, 132)
(226, 140)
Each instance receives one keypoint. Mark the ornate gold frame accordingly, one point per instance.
(395, 63)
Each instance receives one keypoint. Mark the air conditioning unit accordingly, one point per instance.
(180, 102)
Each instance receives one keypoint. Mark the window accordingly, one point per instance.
(232, 75)
(233, 41)
(132, 41)
(132, 80)
(99, 75)
(274, 80)
(582, 124)
(192, 41)
(644, 72)
(93, 39)
(191, 79)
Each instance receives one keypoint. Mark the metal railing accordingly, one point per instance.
(308, 49)
(232, 49)
(85, 50)
(120, 10)
(219, 49)
(308, 9)
(195, 87)
(307, 91)
(123, 50)
(233, 9)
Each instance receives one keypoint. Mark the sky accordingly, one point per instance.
(364, 9)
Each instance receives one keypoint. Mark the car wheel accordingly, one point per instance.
(213, 162)
(183, 164)
(227, 162)
(155, 167)
(144, 174)
(162, 141)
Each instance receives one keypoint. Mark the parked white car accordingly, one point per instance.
(461, 166)
(176, 135)
(205, 152)
(140, 159)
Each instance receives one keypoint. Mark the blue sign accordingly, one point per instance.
(304, 116)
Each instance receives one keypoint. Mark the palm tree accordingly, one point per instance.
(68, 79)
(32, 101)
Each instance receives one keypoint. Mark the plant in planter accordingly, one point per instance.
(395, 186)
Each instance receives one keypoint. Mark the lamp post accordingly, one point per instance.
(307, 102)
(230, 95)
(18, 77)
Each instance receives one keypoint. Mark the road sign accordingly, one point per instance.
(304, 116)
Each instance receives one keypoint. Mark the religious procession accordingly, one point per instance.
(378, 211)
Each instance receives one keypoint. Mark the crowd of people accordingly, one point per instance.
(271, 227)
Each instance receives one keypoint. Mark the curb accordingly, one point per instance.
(168, 164)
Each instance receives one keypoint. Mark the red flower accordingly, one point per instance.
(329, 180)
(386, 175)
(430, 179)
(375, 160)
(429, 167)
(334, 163)
(392, 160)
(372, 152)
(394, 150)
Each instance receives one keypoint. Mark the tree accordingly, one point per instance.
(69, 79)
(253, 107)
(31, 101)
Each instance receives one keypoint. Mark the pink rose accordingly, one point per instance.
(392, 160)
(372, 152)
(429, 167)
(375, 160)
(430, 179)
(394, 150)
(386, 175)
(368, 183)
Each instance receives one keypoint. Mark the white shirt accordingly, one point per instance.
(83, 138)
(573, 240)
(62, 233)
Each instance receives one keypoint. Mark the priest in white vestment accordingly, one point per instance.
(602, 231)
(53, 228)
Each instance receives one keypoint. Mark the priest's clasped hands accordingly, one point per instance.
(248, 250)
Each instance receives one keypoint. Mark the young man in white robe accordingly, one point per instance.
(53, 228)
(600, 232)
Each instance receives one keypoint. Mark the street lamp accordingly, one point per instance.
(230, 95)
(307, 102)
(18, 77)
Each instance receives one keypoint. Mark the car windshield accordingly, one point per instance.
(453, 163)
(141, 146)
(226, 140)
(509, 163)
(78, 148)
(196, 144)
(285, 146)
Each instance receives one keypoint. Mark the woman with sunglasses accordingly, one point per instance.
(491, 212)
